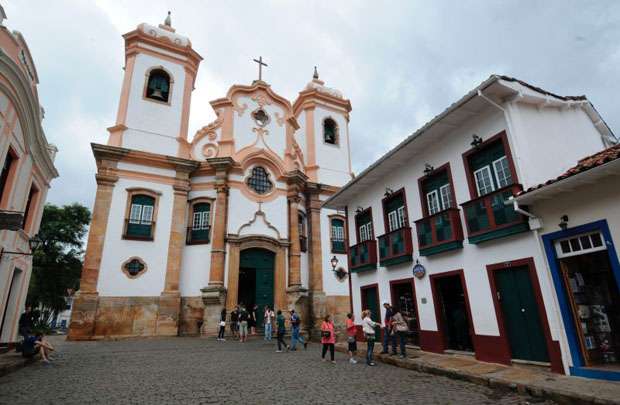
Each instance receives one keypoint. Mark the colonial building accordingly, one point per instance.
(26, 172)
(579, 225)
(438, 206)
(182, 228)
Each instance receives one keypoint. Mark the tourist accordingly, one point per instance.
(243, 324)
(368, 327)
(268, 322)
(234, 321)
(387, 330)
(34, 344)
(26, 322)
(328, 337)
(352, 342)
(220, 334)
(400, 330)
(252, 320)
(281, 330)
(296, 328)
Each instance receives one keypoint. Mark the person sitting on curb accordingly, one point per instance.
(37, 343)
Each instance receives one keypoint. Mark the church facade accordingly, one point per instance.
(183, 228)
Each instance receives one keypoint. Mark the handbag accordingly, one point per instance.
(351, 339)
(222, 323)
(326, 334)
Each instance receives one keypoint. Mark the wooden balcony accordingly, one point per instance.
(488, 217)
(395, 247)
(363, 256)
(440, 232)
(198, 236)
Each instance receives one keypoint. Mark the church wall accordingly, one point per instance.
(567, 133)
(242, 212)
(154, 126)
(333, 160)
(146, 169)
(112, 280)
(300, 135)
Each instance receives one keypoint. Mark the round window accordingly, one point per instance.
(261, 117)
(259, 181)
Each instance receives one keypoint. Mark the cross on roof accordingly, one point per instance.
(260, 67)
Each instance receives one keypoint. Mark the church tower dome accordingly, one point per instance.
(323, 112)
(160, 72)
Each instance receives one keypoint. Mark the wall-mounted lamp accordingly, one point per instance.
(428, 169)
(477, 141)
(388, 192)
(339, 272)
(563, 222)
(34, 243)
(359, 210)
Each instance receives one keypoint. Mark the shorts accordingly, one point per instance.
(243, 327)
(353, 347)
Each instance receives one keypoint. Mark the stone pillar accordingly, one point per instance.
(317, 296)
(85, 303)
(294, 254)
(170, 299)
(214, 295)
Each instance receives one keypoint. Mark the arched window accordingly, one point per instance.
(140, 222)
(337, 235)
(259, 180)
(330, 131)
(158, 85)
(198, 232)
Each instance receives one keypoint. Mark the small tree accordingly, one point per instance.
(57, 263)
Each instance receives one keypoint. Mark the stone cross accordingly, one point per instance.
(260, 67)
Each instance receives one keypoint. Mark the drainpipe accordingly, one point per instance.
(535, 226)
(346, 248)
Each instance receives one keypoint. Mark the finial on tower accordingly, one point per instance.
(316, 74)
(168, 20)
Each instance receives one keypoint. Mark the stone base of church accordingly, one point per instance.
(214, 299)
(191, 316)
(96, 317)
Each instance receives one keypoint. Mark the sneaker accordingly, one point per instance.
(288, 348)
(222, 340)
(333, 361)
(352, 361)
(371, 364)
(278, 351)
(402, 356)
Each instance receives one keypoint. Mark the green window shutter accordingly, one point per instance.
(434, 183)
(486, 156)
(143, 200)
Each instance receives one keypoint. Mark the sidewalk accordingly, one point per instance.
(527, 380)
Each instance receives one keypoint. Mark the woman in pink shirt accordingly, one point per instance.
(328, 337)
(351, 332)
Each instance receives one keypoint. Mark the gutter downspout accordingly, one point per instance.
(346, 241)
(535, 225)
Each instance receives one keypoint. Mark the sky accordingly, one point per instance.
(399, 62)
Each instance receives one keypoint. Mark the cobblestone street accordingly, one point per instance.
(193, 370)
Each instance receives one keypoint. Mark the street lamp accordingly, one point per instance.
(340, 272)
(34, 243)
(334, 262)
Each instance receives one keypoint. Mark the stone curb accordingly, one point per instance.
(557, 395)
(14, 366)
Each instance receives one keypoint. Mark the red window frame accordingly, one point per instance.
(384, 201)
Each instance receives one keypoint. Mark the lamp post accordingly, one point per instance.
(34, 243)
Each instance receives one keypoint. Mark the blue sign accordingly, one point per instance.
(418, 270)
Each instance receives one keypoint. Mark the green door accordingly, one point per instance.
(262, 262)
(370, 301)
(521, 316)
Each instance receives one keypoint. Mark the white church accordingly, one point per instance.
(185, 226)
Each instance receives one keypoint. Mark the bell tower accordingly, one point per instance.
(160, 71)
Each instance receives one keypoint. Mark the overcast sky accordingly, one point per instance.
(399, 62)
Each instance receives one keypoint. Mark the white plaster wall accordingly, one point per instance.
(331, 284)
(242, 211)
(244, 125)
(473, 259)
(153, 126)
(146, 169)
(300, 135)
(333, 160)
(566, 135)
(112, 281)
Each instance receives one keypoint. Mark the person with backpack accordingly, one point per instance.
(328, 338)
(368, 326)
(281, 330)
(400, 330)
(295, 329)
(234, 321)
(243, 324)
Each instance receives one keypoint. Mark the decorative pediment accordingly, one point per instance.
(259, 225)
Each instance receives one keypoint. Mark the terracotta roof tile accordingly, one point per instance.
(585, 164)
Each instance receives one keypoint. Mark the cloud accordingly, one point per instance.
(400, 62)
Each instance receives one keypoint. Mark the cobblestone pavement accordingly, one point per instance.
(194, 370)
